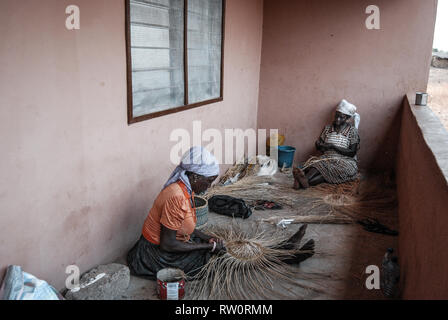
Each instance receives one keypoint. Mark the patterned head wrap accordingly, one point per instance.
(197, 160)
(347, 108)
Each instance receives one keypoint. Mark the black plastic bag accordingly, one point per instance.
(229, 206)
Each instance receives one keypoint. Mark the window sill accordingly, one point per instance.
(133, 120)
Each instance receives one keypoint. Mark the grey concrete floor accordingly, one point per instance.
(338, 269)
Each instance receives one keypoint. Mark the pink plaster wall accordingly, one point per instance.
(76, 181)
(422, 172)
(317, 52)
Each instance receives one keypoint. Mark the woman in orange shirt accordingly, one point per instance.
(169, 238)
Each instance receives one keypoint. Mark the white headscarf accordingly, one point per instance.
(197, 160)
(347, 108)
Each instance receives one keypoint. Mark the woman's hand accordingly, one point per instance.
(328, 146)
(169, 243)
(218, 246)
(323, 146)
(348, 152)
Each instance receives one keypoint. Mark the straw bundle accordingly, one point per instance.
(328, 219)
(252, 267)
(325, 203)
(358, 200)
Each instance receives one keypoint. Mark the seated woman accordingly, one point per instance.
(339, 143)
(169, 238)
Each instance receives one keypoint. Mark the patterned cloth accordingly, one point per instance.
(349, 109)
(197, 160)
(145, 259)
(334, 167)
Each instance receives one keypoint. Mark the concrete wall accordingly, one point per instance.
(317, 52)
(76, 181)
(422, 179)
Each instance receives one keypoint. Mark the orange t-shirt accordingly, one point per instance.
(172, 209)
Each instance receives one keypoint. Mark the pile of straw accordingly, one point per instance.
(239, 171)
(374, 199)
(252, 267)
(346, 203)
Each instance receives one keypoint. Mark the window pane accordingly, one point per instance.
(204, 49)
(157, 41)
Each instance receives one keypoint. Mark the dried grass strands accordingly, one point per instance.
(239, 171)
(327, 219)
(324, 189)
(350, 200)
(252, 268)
(359, 199)
(302, 203)
(253, 188)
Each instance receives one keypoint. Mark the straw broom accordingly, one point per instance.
(328, 219)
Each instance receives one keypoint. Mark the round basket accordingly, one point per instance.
(201, 205)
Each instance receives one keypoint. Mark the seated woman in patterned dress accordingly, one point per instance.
(339, 143)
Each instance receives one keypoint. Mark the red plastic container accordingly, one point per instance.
(171, 284)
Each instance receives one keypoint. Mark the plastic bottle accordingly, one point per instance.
(390, 274)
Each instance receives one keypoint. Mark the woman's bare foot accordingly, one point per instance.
(294, 241)
(305, 252)
(308, 251)
(295, 173)
(296, 184)
(299, 176)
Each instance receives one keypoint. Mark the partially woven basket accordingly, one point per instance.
(201, 205)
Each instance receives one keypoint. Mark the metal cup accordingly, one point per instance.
(421, 99)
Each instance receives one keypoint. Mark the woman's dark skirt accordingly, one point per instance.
(146, 259)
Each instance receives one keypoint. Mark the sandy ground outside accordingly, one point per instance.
(438, 93)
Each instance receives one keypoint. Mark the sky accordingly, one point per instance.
(441, 33)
